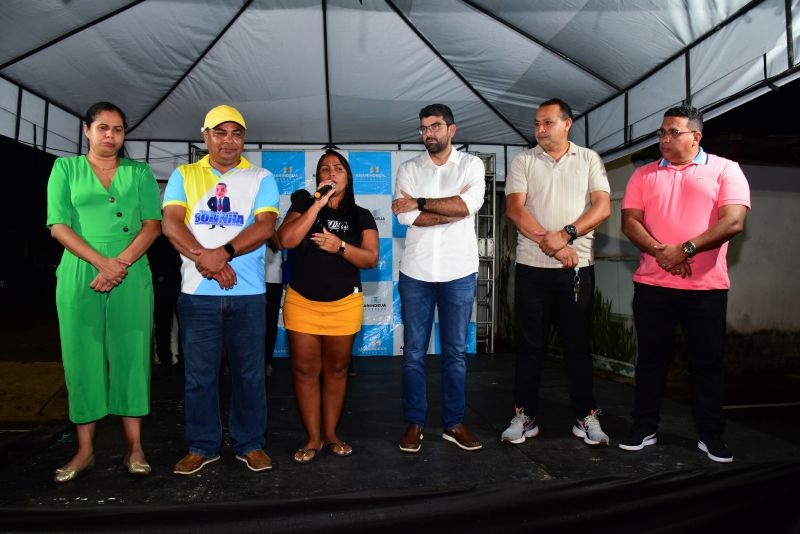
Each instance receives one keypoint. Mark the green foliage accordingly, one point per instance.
(611, 336)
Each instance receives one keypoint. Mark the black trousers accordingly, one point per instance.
(657, 311)
(274, 293)
(539, 294)
(165, 300)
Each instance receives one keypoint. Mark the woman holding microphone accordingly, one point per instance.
(323, 308)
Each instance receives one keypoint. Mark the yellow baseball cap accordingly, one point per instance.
(221, 114)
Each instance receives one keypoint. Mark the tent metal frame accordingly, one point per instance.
(766, 82)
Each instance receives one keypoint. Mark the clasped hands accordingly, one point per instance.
(110, 273)
(554, 244)
(213, 264)
(674, 260)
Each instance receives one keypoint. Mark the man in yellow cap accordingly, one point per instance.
(221, 306)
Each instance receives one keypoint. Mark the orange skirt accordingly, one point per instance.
(338, 318)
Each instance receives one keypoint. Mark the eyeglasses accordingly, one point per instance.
(673, 133)
(433, 128)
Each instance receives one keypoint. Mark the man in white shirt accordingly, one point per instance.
(437, 195)
(557, 193)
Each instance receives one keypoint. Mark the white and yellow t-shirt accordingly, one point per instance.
(214, 221)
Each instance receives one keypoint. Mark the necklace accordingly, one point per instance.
(116, 164)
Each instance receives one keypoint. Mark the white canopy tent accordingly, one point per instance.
(352, 72)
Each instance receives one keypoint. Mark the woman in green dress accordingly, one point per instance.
(105, 211)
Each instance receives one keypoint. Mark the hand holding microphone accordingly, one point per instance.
(322, 191)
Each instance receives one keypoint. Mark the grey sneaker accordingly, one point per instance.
(590, 431)
(521, 427)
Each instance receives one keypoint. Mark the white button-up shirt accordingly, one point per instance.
(443, 252)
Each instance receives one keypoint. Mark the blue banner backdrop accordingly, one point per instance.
(373, 184)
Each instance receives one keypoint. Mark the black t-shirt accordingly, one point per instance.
(322, 276)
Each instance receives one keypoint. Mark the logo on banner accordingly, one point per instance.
(288, 168)
(375, 303)
(374, 340)
(368, 175)
(380, 207)
(379, 217)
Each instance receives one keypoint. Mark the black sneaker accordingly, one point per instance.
(715, 449)
(637, 439)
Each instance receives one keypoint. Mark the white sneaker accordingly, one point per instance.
(521, 427)
(590, 431)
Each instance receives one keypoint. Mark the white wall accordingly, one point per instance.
(763, 261)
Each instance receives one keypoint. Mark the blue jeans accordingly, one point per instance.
(419, 299)
(209, 326)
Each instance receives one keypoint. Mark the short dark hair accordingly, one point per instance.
(566, 111)
(694, 115)
(438, 110)
(98, 107)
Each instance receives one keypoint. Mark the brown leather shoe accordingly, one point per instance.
(192, 463)
(462, 437)
(256, 460)
(412, 439)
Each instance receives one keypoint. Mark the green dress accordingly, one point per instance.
(105, 337)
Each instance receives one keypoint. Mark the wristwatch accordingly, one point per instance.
(689, 248)
(572, 231)
(227, 247)
(421, 203)
(340, 252)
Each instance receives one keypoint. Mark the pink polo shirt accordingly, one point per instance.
(680, 204)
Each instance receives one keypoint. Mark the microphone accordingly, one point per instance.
(322, 191)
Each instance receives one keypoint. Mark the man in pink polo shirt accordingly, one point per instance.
(681, 211)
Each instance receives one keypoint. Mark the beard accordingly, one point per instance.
(435, 146)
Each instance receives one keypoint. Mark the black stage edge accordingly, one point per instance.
(550, 484)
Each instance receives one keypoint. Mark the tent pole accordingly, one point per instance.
(327, 72)
(789, 35)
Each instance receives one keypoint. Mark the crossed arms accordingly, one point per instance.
(437, 210)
